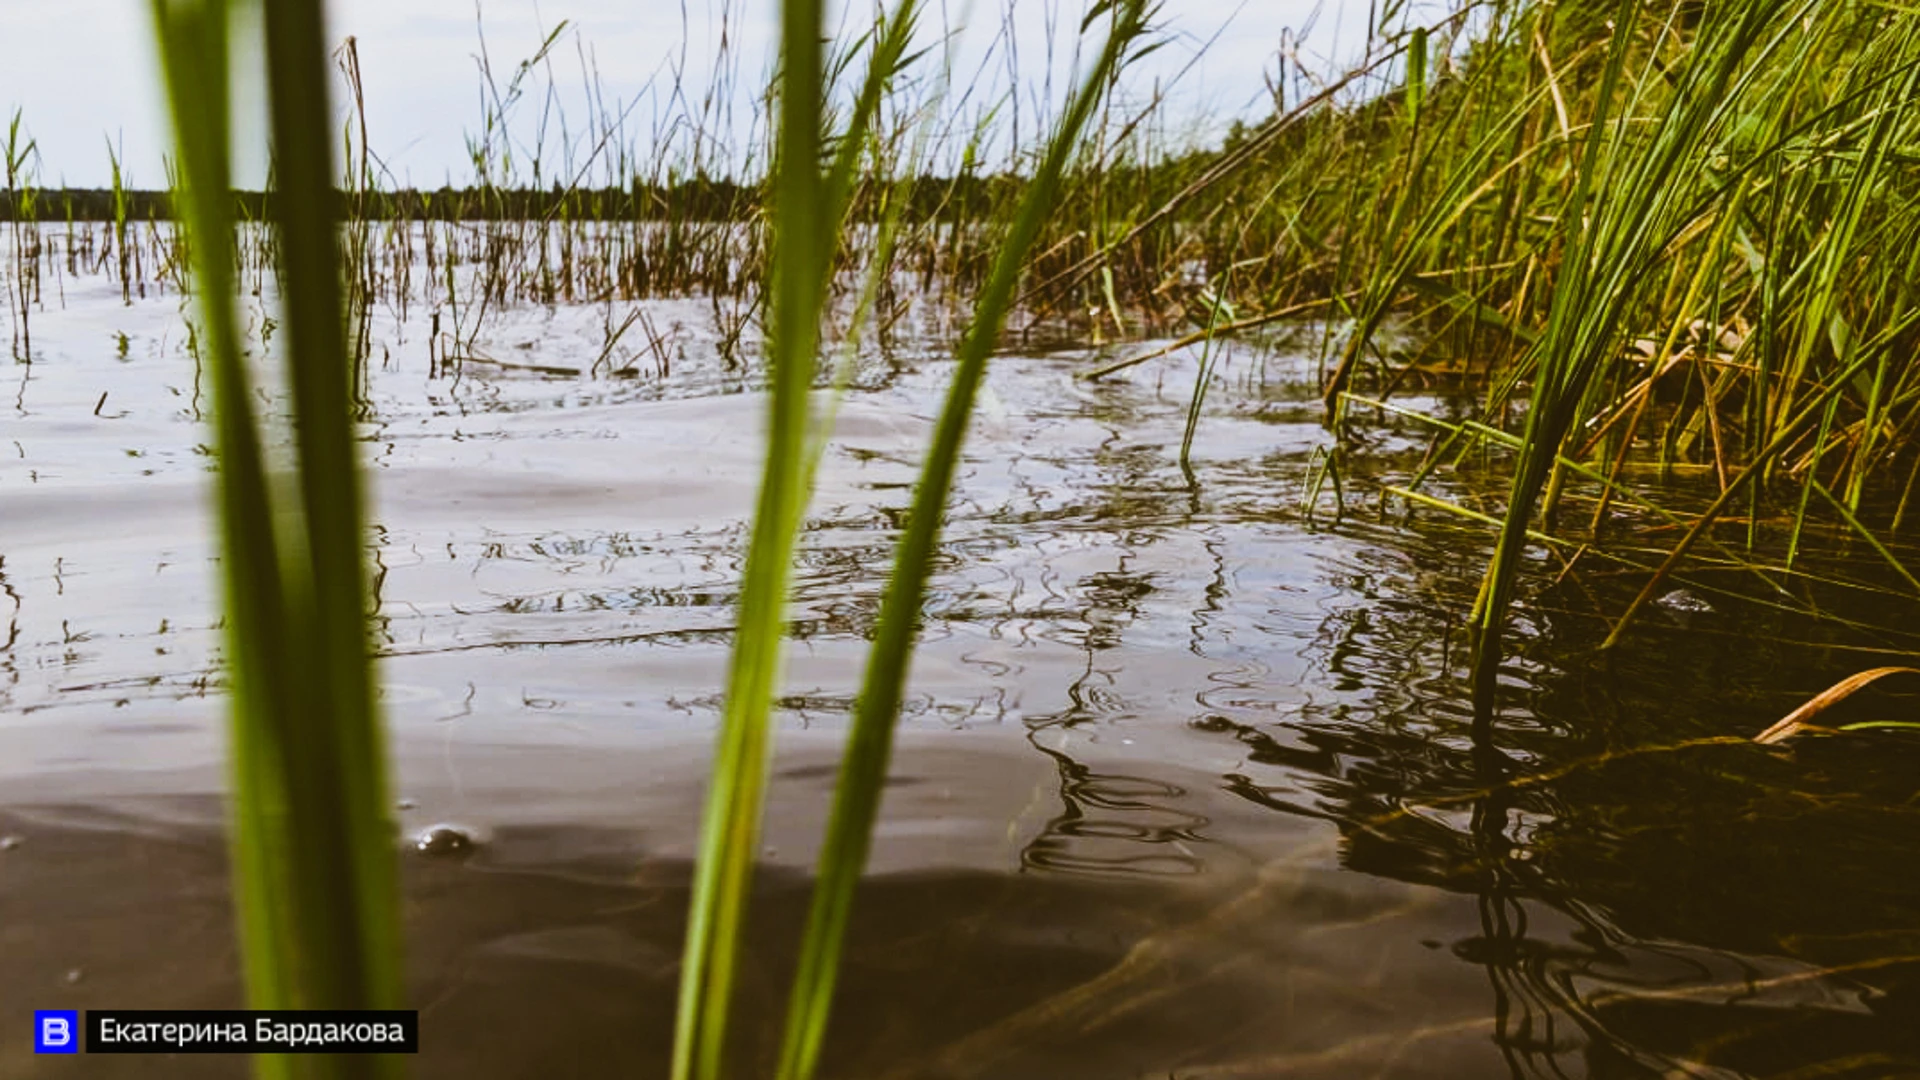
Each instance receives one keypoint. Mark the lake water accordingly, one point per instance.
(1185, 785)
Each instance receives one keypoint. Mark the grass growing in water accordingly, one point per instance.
(1631, 196)
(1725, 182)
(18, 156)
(730, 838)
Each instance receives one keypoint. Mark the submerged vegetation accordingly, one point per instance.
(1644, 238)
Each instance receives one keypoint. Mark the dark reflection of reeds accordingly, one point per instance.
(1654, 893)
(1113, 824)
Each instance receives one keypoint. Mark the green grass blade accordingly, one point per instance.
(339, 735)
(1202, 378)
(864, 765)
(193, 50)
(806, 239)
(313, 846)
(731, 826)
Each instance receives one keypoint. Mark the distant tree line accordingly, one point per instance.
(966, 198)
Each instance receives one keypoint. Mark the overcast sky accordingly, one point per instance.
(84, 71)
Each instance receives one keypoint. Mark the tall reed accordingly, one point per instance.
(806, 240)
(313, 845)
(806, 209)
(119, 190)
(863, 770)
(18, 157)
(737, 784)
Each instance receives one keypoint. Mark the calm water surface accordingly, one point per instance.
(1185, 786)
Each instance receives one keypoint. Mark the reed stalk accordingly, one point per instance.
(862, 778)
(737, 786)
(314, 861)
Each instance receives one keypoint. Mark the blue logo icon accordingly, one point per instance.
(56, 1031)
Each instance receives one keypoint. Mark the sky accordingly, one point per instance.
(82, 72)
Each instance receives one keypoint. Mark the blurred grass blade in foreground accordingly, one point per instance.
(313, 848)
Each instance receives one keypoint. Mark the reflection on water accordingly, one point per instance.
(1187, 784)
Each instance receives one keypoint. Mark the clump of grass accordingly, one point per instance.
(1676, 234)
(1635, 190)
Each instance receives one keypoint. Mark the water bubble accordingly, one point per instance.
(8, 843)
(446, 840)
(406, 804)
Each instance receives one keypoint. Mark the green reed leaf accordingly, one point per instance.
(731, 824)
(313, 846)
(863, 767)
